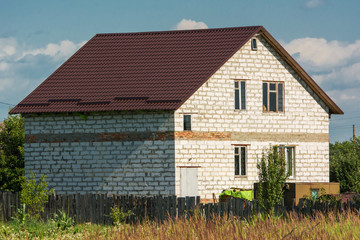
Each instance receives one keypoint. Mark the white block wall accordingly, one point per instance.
(303, 124)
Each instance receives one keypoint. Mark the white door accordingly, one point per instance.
(189, 182)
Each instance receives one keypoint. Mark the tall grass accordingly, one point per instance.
(331, 226)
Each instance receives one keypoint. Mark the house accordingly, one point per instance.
(185, 112)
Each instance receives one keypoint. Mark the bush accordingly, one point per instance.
(34, 195)
(345, 165)
(118, 216)
(62, 221)
(21, 215)
(272, 178)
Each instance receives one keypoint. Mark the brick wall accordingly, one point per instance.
(80, 155)
(303, 124)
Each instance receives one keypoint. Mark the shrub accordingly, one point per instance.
(21, 215)
(34, 195)
(272, 179)
(118, 216)
(62, 221)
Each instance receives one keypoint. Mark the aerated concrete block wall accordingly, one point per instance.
(125, 153)
(217, 126)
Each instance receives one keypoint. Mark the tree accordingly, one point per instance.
(345, 165)
(272, 178)
(12, 154)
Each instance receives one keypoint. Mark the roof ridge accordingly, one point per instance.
(178, 31)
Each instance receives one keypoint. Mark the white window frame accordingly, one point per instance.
(276, 91)
(187, 115)
(241, 157)
(240, 103)
(284, 151)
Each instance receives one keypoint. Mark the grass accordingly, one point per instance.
(332, 226)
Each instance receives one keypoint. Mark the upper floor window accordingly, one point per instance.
(273, 96)
(187, 123)
(253, 44)
(240, 95)
(240, 161)
(288, 154)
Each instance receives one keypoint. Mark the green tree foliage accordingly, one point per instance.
(12, 154)
(34, 194)
(272, 178)
(345, 165)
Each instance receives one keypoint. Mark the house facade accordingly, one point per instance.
(179, 112)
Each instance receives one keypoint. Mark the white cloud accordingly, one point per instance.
(190, 24)
(343, 76)
(57, 51)
(7, 47)
(318, 54)
(314, 3)
(23, 67)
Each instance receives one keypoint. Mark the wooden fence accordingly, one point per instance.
(96, 208)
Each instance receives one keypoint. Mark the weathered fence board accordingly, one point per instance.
(96, 208)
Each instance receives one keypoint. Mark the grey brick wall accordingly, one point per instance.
(119, 166)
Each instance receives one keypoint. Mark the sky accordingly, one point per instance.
(323, 36)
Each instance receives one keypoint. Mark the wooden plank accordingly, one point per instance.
(77, 207)
(82, 208)
(173, 207)
(2, 206)
(158, 207)
(101, 208)
(222, 208)
(216, 209)
(198, 200)
(232, 207)
(8, 203)
(97, 208)
(181, 206)
(308, 206)
(247, 212)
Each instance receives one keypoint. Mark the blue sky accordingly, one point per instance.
(36, 37)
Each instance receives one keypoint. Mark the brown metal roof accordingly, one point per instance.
(137, 71)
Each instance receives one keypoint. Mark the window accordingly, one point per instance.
(273, 97)
(240, 161)
(253, 44)
(289, 156)
(240, 95)
(187, 122)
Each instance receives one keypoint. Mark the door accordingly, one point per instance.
(188, 182)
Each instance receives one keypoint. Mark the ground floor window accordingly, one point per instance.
(240, 161)
(289, 155)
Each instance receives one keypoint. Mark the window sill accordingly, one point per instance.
(241, 176)
(277, 113)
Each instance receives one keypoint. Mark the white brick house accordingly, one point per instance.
(178, 112)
